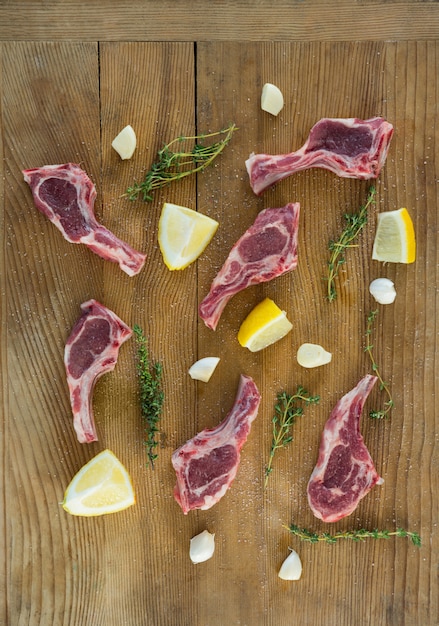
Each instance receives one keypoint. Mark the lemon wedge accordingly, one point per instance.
(101, 486)
(394, 238)
(125, 142)
(264, 325)
(183, 235)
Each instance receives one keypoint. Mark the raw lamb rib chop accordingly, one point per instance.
(350, 147)
(66, 195)
(345, 472)
(266, 250)
(91, 350)
(207, 464)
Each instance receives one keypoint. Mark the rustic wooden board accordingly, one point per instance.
(225, 20)
(65, 102)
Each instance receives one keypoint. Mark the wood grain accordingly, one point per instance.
(226, 20)
(63, 101)
(152, 87)
(41, 268)
(341, 329)
(3, 378)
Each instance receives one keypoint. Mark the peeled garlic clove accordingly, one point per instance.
(291, 568)
(125, 142)
(202, 547)
(383, 290)
(312, 355)
(272, 99)
(204, 368)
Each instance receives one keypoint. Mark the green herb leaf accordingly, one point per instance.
(354, 224)
(286, 409)
(150, 391)
(171, 166)
(354, 535)
(388, 405)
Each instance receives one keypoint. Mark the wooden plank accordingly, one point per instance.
(152, 87)
(143, 20)
(50, 115)
(365, 80)
(3, 375)
(66, 101)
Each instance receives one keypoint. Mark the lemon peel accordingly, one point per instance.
(183, 235)
(102, 486)
(263, 326)
(395, 237)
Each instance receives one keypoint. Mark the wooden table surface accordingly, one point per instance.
(71, 76)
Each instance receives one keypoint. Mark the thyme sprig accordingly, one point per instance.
(354, 224)
(388, 405)
(287, 408)
(354, 535)
(173, 165)
(151, 394)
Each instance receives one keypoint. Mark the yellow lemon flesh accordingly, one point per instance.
(394, 238)
(102, 486)
(263, 326)
(183, 235)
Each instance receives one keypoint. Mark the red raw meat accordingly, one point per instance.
(66, 195)
(207, 464)
(351, 148)
(91, 350)
(345, 472)
(265, 251)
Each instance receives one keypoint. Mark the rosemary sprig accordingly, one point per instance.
(151, 394)
(354, 223)
(354, 535)
(286, 409)
(171, 165)
(388, 405)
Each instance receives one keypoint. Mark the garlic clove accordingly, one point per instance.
(125, 142)
(383, 290)
(312, 355)
(272, 99)
(204, 368)
(291, 568)
(202, 547)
